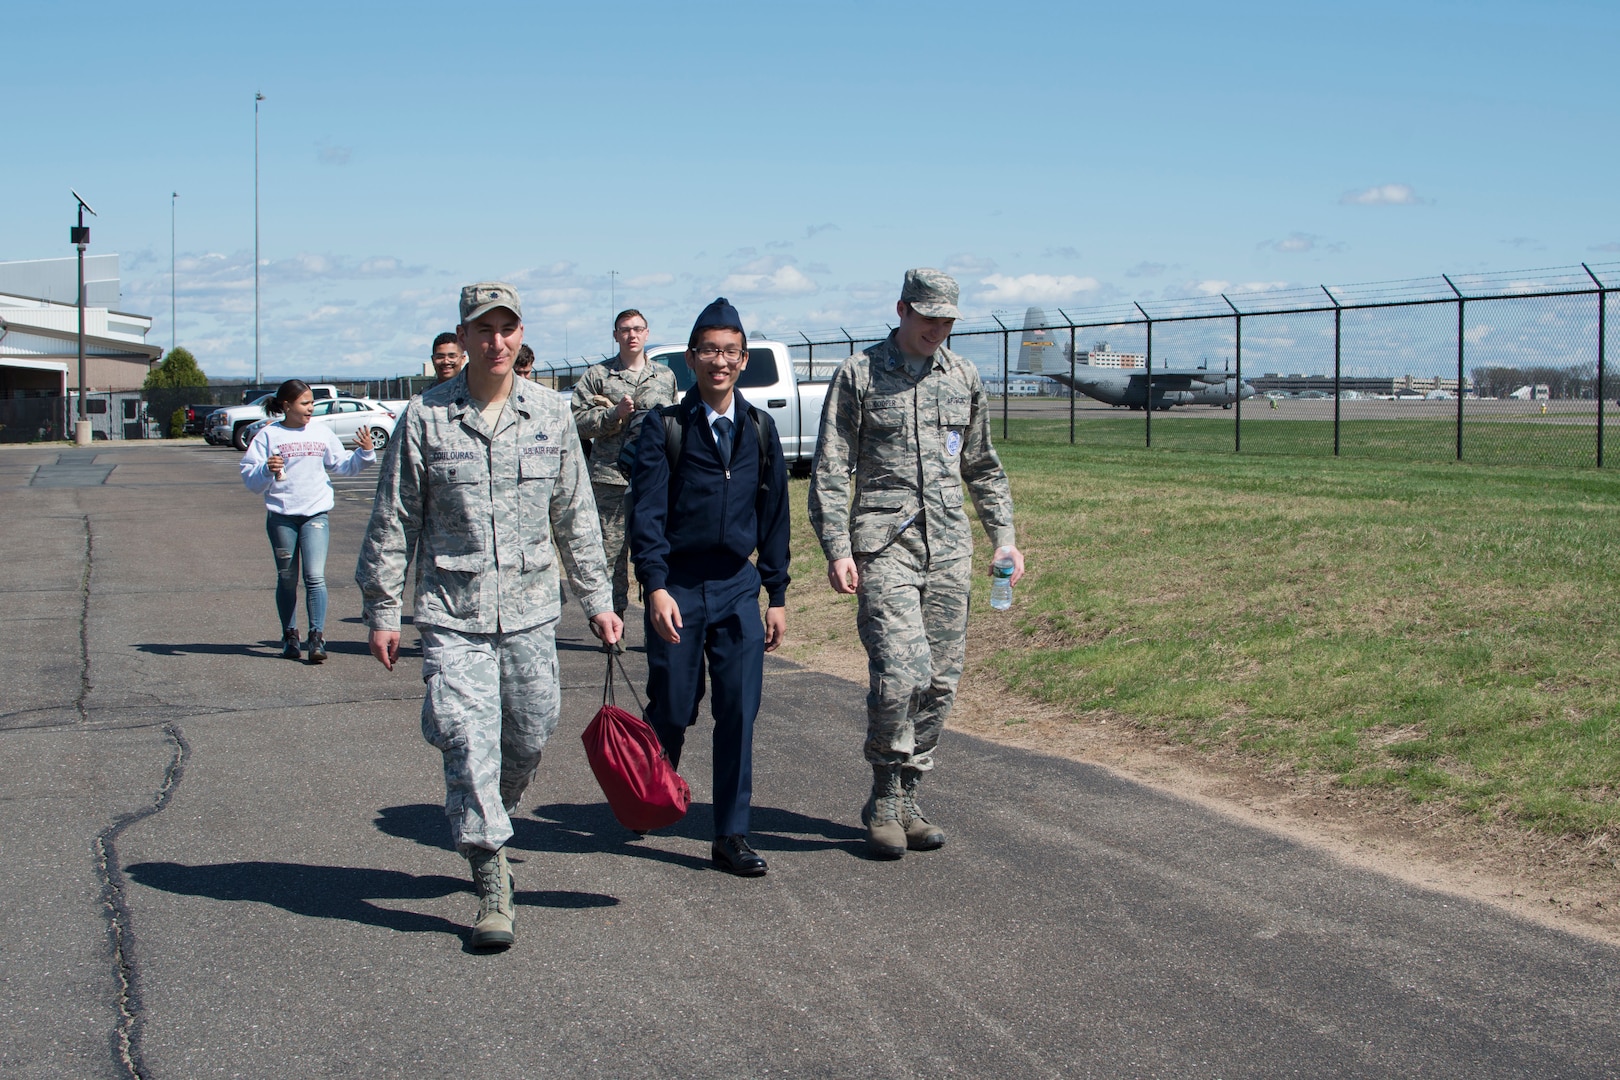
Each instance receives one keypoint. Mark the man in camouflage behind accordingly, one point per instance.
(908, 418)
(484, 473)
(609, 399)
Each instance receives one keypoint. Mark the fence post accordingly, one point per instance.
(1337, 394)
(1004, 393)
(1071, 381)
(1603, 307)
(1461, 302)
(1147, 404)
(1237, 389)
(851, 340)
(810, 360)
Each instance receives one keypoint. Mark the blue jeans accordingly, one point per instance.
(294, 540)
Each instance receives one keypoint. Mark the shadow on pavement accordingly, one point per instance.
(582, 828)
(213, 648)
(337, 892)
(260, 650)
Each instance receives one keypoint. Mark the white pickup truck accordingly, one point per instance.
(769, 383)
(230, 425)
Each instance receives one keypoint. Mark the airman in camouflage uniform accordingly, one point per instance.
(904, 425)
(483, 473)
(608, 400)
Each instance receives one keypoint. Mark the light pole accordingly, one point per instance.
(79, 237)
(257, 97)
(173, 198)
(613, 293)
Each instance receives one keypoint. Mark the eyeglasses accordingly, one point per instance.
(731, 353)
(631, 330)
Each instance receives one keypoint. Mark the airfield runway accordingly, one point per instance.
(219, 863)
(1259, 409)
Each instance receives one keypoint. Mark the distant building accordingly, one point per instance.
(1021, 386)
(1100, 355)
(1364, 385)
(39, 329)
(1538, 392)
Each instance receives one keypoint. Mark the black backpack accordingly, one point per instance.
(673, 431)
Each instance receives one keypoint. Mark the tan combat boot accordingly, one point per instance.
(921, 835)
(492, 881)
(885, 835)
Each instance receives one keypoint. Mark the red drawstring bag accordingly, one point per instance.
(642, 787)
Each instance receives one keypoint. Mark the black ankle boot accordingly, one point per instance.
(289, 645)
(317, 647)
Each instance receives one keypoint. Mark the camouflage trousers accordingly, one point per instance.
(610, 511)
(912, 619)
(492, 702)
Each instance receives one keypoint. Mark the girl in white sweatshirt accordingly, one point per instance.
(287, 463)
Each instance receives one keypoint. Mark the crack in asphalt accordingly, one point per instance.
(81, 702)
(126, 1037)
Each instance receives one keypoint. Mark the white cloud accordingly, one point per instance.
(1146, 269)
(1382, 195)
(1065, 252)
(756, 281)
(1035, 288)
(872, 292)
(811, 230)
(1295, 242)
(1214, 287)
(649, 281)
(965, 264)
(534, 274)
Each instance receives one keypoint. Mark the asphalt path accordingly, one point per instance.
(218, 863)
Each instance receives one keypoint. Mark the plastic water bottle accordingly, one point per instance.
(1001, 572)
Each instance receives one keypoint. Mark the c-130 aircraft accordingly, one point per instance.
(1041, 354)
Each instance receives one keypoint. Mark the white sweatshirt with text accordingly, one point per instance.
(307, 453)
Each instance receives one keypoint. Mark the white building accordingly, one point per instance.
(39, 329)
(1102, 356)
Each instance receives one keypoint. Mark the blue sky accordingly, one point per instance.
(796, 158)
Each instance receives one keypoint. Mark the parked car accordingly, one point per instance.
(346, 416)
(197, 417)
(230, 425)
(770, 383)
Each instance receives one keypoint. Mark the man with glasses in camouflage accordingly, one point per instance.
(609, 401)
(905, 425)
(447, 357)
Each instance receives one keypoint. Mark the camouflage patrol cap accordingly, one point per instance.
(487, 296)
(931, 292)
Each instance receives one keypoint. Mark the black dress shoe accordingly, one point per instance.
(732, 854)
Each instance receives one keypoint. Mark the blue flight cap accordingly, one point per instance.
(719, 315)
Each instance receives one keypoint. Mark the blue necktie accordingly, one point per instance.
(722, 440)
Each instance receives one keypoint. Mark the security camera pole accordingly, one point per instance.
(79, 237)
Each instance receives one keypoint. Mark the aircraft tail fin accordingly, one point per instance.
(1039, 350)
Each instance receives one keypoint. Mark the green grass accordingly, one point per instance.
(1448, 631)
(1517, 441)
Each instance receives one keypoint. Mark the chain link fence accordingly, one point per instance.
(1499, 368)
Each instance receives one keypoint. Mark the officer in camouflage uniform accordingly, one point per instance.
(608, 399)
(483, 473)
(908, 418)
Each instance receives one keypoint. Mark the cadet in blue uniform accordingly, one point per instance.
(691, 535)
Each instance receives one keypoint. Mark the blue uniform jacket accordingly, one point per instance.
(705, 525)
